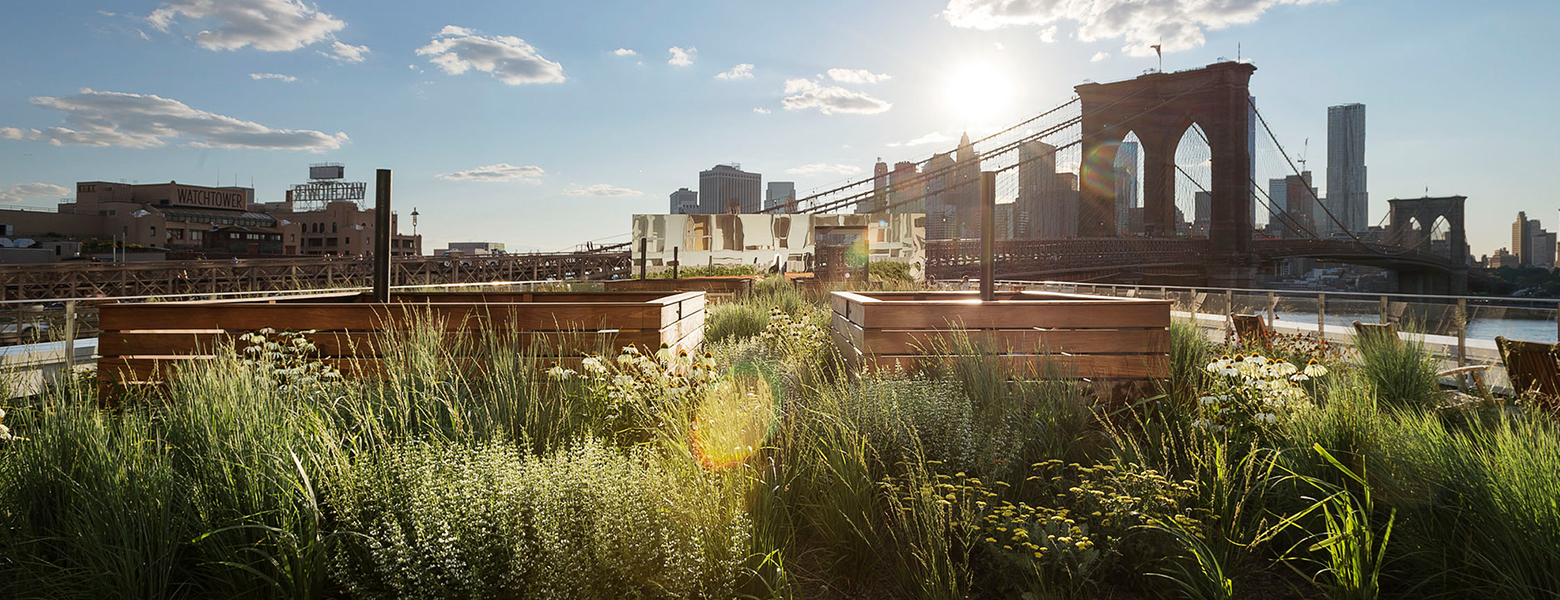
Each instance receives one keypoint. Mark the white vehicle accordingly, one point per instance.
(27, 332)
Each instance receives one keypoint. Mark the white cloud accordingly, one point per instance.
(681, 57)
(277, 76)
(346, 52)
(625, 52)
(94, 118)
(998, 45)
(23, 191)
(269, 25)
(498, 172)
(1048, 35)
(1177, 24)
(935, 137)
(742, 71)
(1099, 56)
(105, 13)
(761, 110)
(816, 169)
(509, 59)
(602, 190)
(806, 94)
(857, 76)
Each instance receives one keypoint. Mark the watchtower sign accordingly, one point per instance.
(209, 198)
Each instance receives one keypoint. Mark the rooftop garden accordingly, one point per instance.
(760, 467)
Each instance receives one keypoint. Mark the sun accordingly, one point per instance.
(978, 92)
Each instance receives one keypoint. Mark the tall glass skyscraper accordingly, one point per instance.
(1346, 191)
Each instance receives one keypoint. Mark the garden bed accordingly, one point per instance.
(716, 288)
(140, 343)
(1088, 337)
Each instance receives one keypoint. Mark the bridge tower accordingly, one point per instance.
(1412, 226)
(1159, 107)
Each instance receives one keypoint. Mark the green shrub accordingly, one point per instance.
(1401, 371)
(492, 522)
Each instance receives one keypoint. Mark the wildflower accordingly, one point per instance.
(1207, 400)
(593, 364)
(1315, 369)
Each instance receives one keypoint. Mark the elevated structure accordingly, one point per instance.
(1159, 108)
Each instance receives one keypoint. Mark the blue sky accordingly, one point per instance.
(1461, 96)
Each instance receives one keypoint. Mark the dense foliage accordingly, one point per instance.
(761, 468)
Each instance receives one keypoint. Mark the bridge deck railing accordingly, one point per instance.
(1459, 330)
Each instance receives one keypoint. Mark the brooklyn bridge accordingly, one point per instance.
(1201, 136)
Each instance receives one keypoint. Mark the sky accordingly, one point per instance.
(544, 124)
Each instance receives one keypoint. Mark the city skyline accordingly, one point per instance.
(540, 131)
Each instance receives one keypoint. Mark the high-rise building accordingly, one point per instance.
(879, 201)
(1300, 210)
(1202, 212)
(1126, 186)
(1545, 245)
(727, 189)
(1346, 189)
(965, 193)
(940, 216)
(1277, 200)
(781, 194)
(1522, 239)
(685, 201)
(1036, 203)
(905, 193)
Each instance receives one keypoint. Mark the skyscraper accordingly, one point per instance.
(1202, 212)
(781, 194)
(1346, 188)
(1277, 199)
(940, 216)
(905, 195)
(729, 189)
(879, 189)
(1300, 211)
(685, 201)
(965, 193)
(1126, 185)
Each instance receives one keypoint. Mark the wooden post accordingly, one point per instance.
(1272, 310)
(674, 262)
(1462, 333)
(382, 236)
(644, 247)
(70, 338)
(1321, 316)
(1383, 310)
(1229, 313)
(988, 235)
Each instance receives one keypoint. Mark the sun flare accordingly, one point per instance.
(978, 92)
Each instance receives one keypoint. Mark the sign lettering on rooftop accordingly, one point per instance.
(210, 198)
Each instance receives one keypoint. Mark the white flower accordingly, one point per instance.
(5, 432)
(1207, 400)
(1315, 369)
(593, 364)
(1266, 417)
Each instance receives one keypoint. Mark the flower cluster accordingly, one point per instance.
(5, 432)
(1254, 390)
(1295, 347)
(1068, 519)
(798, 335)
(289, 361)
(643, 382)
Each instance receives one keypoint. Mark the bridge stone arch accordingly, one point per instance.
(1159, 107)
(1428, 213)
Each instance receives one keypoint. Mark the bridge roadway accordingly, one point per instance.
(80, 279)
(1087, 258)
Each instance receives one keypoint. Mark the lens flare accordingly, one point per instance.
(1098, 169)
(736, 416)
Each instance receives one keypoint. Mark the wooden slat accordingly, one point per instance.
(349, 344)
(675, 332)
(1082, 341)
(1089, 366)
(361, 317)
(148, 370)
(1014, 315)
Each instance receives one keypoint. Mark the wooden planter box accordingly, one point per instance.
(142, 343)
(1088, 337)
(716, 288)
